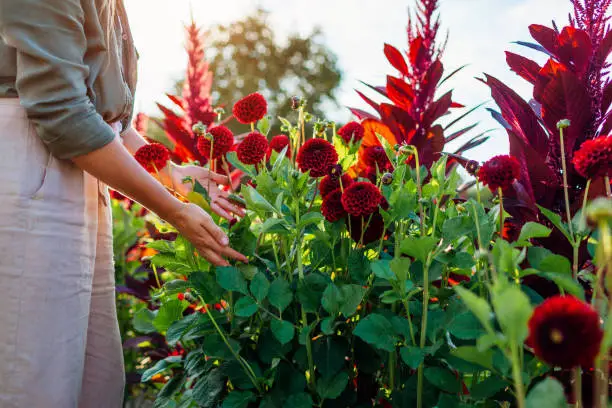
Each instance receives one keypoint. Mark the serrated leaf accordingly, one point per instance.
(168, 313)
(143, 321)
(548, 393)
(238, 399)
(260, 287)
(280, 295)
(418, 248)
(282, 330)
(230, 278)
(412, 356)
(342, 299)
(331, 388)
(376, 330)
(443, 379)
(245, 307)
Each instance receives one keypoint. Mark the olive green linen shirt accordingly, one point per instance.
(72, 78)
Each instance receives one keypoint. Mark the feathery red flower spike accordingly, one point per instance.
(565, 332)
(594, 158)
(499, 172)
(361, 198)
(253, 148)
(223, 140)
(153, 156)
(317, 156)
(250, 109)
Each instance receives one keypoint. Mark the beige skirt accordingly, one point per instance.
(59, 338)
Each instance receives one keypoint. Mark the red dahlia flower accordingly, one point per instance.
(351, 131)
(223, 142)
(253, 148)
(330, 183)
(251, 108)
(332, 208)
(374, 231)
(499, 172)
(318, 156)
(361, 198)
(278, 143)
(375, 156)
(565, 332)
(153, 156)
(594, 158)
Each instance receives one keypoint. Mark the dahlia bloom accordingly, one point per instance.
(361, 199)
(253, 148)
(374, 231)
(278, 143)
(153, 156)
(499, 172)
(250, 109)
(594, 158)
(317, 156)
(332, 208)
(351, 131)
(376, 157)
(223, 142)
(565, 332)
(330, 183)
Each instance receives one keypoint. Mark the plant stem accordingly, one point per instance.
(420, 190)
(392, 356)
(608, 189)
(423, 330)
(501, 211)
(565, 187)
(577, 374)
(517, 377)
(227, 173)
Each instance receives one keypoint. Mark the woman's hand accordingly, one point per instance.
(198, 227)
(219, 199)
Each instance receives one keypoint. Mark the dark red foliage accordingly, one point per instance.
(153, 156)
(361, 198)
(499, 172)
(193, 106)
(251, 108)
(573, 84)
(565, 332)
(253, 148)
(352, 131)
(594, 158)
(411, 115)
(332, 208)
(317, 156)
(223, 140)
(278, 143)
(330, 183)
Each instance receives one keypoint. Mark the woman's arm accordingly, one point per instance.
(115, 166)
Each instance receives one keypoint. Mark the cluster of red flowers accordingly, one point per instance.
(153, 156)
(221, 143)
(499, 172)
(594, 158)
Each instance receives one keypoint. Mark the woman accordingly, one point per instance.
(67, 80)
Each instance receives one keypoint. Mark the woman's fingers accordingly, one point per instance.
(212, 257)
(220, 211)
(218, 178)
(229, 207)
(215, 232)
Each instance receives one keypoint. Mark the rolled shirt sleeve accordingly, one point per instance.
(50, 40)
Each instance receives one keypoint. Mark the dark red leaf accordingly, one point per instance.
(396, 59)
(575, 47)
(361, 114)
(547, 37)
(400, 92)
(177, 100)
(369, 102)
(460, 133)
(457, 105)
(437, 109)
(524, 67)
(402, 125)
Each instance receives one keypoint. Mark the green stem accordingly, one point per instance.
(412, 338)
(577, 374)
(608, 189)
(517, 377)
(420, 190)
(565, 187)
(423, 330)
(501, 212)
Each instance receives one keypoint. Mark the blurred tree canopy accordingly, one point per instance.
(247, 56)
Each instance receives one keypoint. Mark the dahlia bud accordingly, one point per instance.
(387, 179)
(319, 127)
(308, 117)
(219, 111)
(472, 167)
(563, 124)
(199, 129)
(335, 171)
(600, 210)
(331, 124)
(296, 103)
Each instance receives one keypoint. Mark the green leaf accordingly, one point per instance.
(245, 307)
(548, 393)
(488, 388)
(331, 388)
(443, 379)
(168, 313)
(143, 321)
(556, 264)
(565, 283)
(533, 230)
(260, 286)
(206, 285)
(327, 325)
(280, 295)
(359, 266)
(412, 356)
(478, 306)
(207, 390)
(232, 158)
(171, 263)
(274, 226)
(264, 126)
(159, 367)
(376, 330)
(282, 330)
(457, 227)
(342, 299)
(238, 399)
(557, 222)
(309, 219)
(513, 310)
(257, 202)
(230, 278)
(418, 248)
(400, 267)
(301, 400)
(473, 355)
(465, 326)
(382, 269)
(178, 328)
(162, 246)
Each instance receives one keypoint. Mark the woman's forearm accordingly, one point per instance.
(115, 166)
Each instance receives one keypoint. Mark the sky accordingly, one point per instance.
(356, 30)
